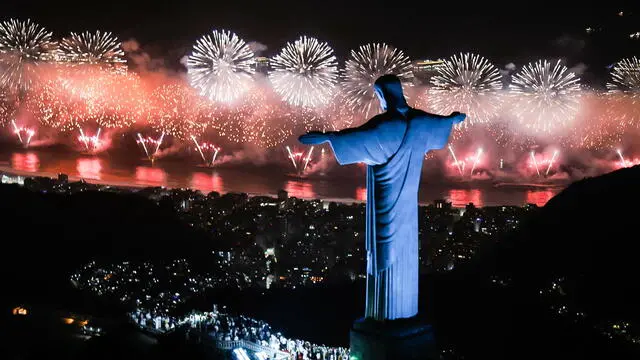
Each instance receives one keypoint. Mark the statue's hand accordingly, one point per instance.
(313, 138)
(458, 117)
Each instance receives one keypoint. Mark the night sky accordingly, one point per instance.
(510, 32)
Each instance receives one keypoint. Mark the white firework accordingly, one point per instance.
(468, 83)
(625, 77)
(305, 72)
(624, 94)
(23, 46)
(545, 96)
(364, 66)
(220, 66)
(99, 48)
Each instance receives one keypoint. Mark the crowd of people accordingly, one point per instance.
(225, 328)
(155, 321)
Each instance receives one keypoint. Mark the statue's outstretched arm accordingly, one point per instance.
(437, 129)
(456, 117)
(319, 137)
(314, 138)
(359, 144)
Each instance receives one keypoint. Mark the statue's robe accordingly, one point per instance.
(393, 145)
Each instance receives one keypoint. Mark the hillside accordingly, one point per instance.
(585, 237)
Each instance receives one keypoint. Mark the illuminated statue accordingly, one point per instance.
(393, 145)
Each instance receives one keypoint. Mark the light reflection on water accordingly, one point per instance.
(250, 180)
(207, 182)
(539, 197)
(461, 198)
(300, 189)
(89, 168)
(149, 176)
(28, 162)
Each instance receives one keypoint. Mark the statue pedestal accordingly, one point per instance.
(405, 339)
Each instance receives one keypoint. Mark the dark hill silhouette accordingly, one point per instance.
(47, 236)
(589, 233)
(586, 235)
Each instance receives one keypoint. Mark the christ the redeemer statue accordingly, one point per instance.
(393, 145)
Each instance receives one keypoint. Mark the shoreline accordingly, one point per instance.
(131, 186)
(517, 187)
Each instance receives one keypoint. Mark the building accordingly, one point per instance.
(63, 179)
(424, 70)
(12, 179)
(262, 64)
(442, 204)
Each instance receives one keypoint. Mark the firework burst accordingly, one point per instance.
(173, 106)
(216, 122)
(364, 66)
(112, 99)
(92, 143)
(595, 133)
(6, 108)
(226, 122)
(220, 66)
(468, 83)
(269, 123)
(199, 125)
(300, 159)
(625, 77)
(305, 72)
(624, 94)
(70, 97)
(337, 115)
(208, 151)
(545, 96)
(98, 48)
(24, 134)
(23, 46)
(54, 107)
(542, 164)
(150, 145)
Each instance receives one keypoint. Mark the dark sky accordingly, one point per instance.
(516, 31)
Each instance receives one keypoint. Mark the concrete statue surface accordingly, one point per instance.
(392, 145)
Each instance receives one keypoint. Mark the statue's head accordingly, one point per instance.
(388, 88)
